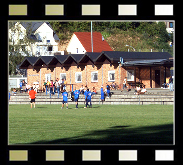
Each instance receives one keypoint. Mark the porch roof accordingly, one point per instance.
(135, 56)
(152, 62)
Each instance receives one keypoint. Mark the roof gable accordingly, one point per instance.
(69, 60)
(84, 59)
(98, 44)
(61, 58)
(102, 57)
(53, 61)
(92, 56)
(43, 60)
(31, 25)
(34, 26)
(28, 61)
(77, 57)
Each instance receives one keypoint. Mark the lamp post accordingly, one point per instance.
(131, 47)
(91, 37)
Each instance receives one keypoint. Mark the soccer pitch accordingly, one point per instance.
(102, 124)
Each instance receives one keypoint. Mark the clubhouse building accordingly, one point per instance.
(149, 69)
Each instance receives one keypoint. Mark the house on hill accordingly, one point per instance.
(80, 43)
(45, 40)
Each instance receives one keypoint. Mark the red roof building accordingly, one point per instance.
(81, 42)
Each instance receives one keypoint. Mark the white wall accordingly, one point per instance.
(74, 44)
(45, 33)
(14, 82)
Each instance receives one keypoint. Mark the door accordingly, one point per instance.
(157, 78)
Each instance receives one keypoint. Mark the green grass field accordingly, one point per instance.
(102, 124)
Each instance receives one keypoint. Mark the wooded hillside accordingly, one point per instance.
(142, 36)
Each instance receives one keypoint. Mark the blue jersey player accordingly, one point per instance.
(88, 98)
(102, 94)
(108, 90)
(76, 97)
(65, 95)
(85, 94)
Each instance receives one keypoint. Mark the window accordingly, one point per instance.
(12, 37)
(78, 77)
(50, 48)
(111, 75)
(171, 24)
(44, 49)
(62, 76)
(94, 76)
(21, 35)
(39, 36)
(47, 77)
(130, 75)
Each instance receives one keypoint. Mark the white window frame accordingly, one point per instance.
(13, 36)
(92, 80)
(47, 77)
(109, 72)
(130, 75)
(21, 35)
(64, 76)
(77, 73)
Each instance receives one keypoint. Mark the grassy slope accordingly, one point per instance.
(121, 124)
(119, 38)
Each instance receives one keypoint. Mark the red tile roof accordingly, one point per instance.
(98, 44)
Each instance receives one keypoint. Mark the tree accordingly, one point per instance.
(17, 47)
(163, 34)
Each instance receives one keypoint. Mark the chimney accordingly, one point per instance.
(102, 38)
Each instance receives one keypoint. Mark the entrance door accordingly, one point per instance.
(157, 78)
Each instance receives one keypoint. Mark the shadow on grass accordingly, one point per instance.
(93, 107)
(41, 107)
(160, 134)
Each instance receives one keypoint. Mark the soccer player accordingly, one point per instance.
(85, 93)
(32, 96)
(65, 95)
(108, 90)
(76, 97)
(88, 98)
(102, 94)
(9, 96)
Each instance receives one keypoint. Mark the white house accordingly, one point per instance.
(80, 43)
(169, 27)
(75, 46)
(45, 39)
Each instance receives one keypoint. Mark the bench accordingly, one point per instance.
(137, 84)
(39, 90)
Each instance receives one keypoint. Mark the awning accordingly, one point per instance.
(152, 62)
